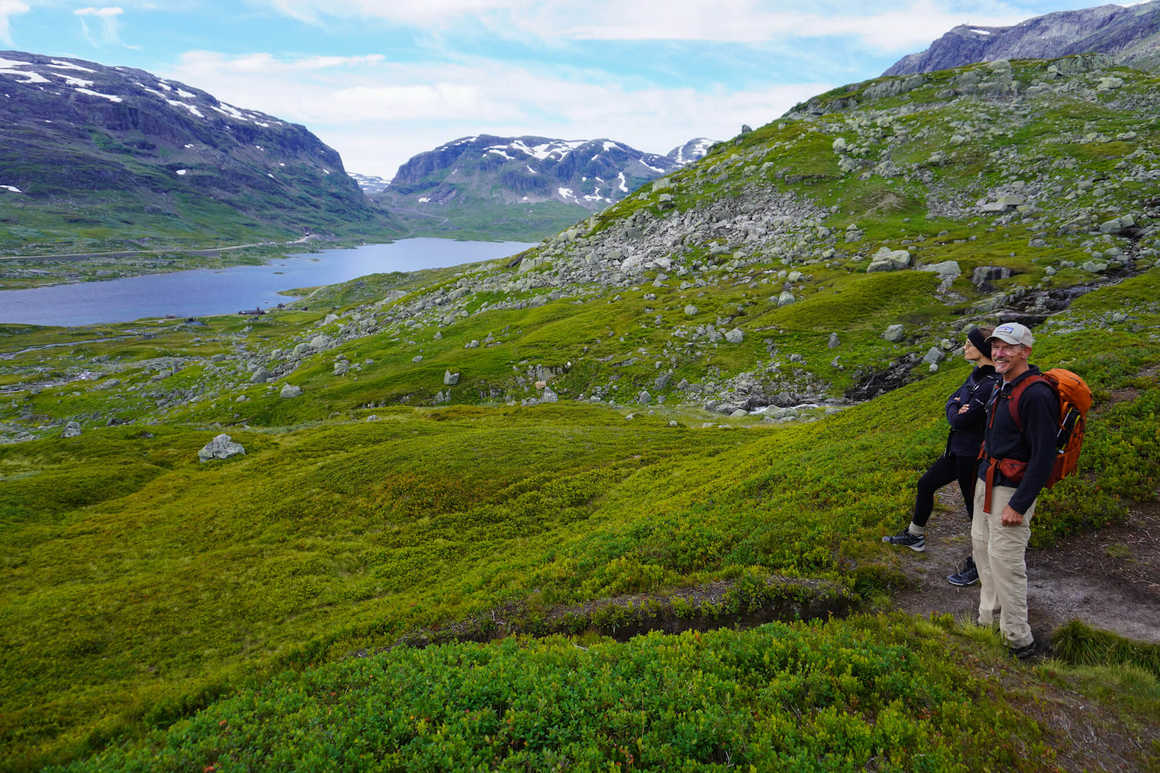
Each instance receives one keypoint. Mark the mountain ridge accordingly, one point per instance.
(490, 179)
(1130, 34)
(125, 147)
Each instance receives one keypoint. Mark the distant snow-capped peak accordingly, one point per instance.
(693, 150)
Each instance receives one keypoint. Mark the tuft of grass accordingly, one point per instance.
(1080, 644)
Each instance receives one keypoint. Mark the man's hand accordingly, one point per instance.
(1010, 517)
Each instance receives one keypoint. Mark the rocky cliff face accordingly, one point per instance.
(1131, 35)
(82, 131)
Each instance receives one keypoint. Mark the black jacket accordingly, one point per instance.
(1039, 413)
(967, 428)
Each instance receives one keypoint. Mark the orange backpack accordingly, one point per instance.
(1075, 399)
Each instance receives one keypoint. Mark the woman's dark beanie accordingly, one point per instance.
(980, 341)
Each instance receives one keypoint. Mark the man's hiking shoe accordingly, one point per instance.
(1026, 652)
(967, 575)
(907, 540)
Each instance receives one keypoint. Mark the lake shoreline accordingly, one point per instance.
(229, 289)
(29, 272)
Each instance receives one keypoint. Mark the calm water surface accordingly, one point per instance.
(206, 292)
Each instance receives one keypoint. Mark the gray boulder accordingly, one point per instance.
(1118, 225)
(72, 429)
(290, 390)
(984, 275)
(948, 271)
(894, 333)
(735, 336)
(221, 447)
(449, 378)
(887, 259)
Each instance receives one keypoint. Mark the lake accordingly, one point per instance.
(207, 292)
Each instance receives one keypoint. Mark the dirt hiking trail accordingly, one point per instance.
(1109, 579)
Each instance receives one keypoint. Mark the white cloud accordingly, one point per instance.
(421, 13)
(377, 113)
(8, 9)
(106, 29)
(884, 26)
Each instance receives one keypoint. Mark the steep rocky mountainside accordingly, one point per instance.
(88, 147)
(1131, 35)
(534, 185)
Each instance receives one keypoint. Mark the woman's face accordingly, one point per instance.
(970, 352)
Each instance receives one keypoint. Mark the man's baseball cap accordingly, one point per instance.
(1013, 333)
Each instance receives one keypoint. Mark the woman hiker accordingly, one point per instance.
(967, 413)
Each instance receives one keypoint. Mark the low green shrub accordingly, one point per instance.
(888, 693)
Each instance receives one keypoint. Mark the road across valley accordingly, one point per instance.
(133, 253)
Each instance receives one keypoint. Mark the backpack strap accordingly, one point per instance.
(1014, 471)
(1017, 392)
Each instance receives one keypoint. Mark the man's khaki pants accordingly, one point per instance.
(999, 553)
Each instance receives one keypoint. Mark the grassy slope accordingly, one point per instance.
(140, 585)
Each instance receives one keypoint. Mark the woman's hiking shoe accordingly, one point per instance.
(966, 575)
(907, 540)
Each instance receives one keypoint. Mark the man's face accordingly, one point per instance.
(1009, 358)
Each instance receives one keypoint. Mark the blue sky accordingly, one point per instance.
(382, 80)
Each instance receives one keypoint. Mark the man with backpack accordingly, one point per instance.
(1019, 450)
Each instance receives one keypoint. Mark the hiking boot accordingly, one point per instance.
(907, 540)
(1026, 652)
(966, 575)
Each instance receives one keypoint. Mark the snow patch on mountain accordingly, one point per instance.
(693, 150)
(91, 93)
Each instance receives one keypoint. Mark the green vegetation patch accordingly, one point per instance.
(840, 696)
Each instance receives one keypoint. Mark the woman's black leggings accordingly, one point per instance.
(947, 468)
